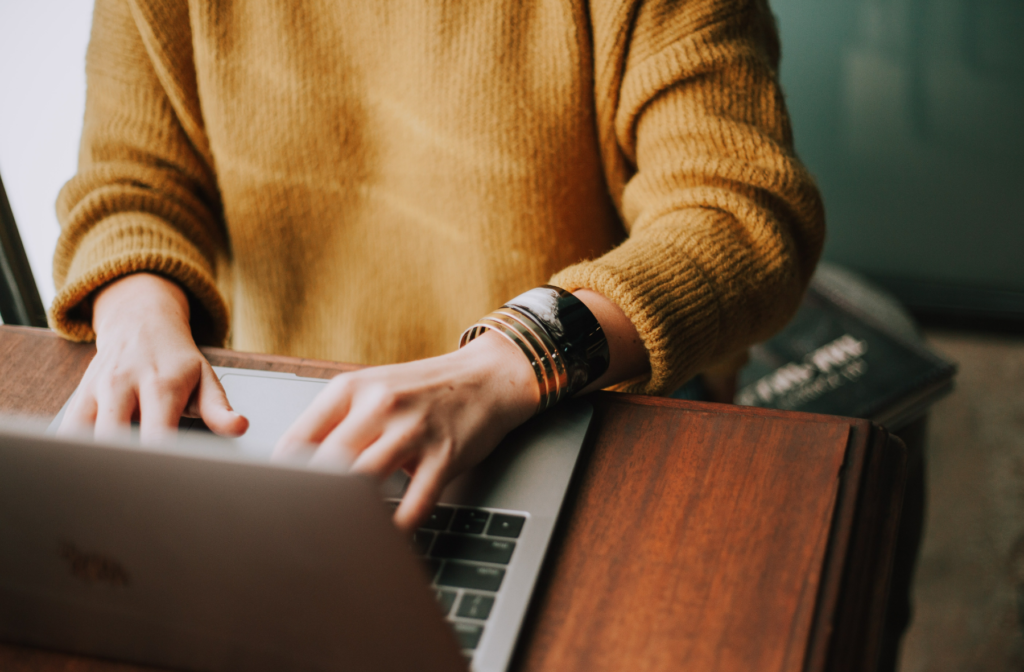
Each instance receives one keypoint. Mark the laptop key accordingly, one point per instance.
(445, 599)
(468, 634)
(474, 577)
(421, 540)
(475, 606)
(506, 526)
(462, 547)
(438, 518)
(470, 521)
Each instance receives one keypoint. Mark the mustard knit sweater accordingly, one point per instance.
(361, 180)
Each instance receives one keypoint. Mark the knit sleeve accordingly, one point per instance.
(725, 225)
(144, 197)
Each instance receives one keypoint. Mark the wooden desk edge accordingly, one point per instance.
(850, 615)
(848, 618)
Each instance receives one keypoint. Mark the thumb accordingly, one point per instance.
(214, 408)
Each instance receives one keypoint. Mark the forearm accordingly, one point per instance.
(628, 358)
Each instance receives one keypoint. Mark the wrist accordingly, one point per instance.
(137, 298)
(504, 366)
(628, 355)
(559, 335)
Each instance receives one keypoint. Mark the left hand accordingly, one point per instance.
(434, 417)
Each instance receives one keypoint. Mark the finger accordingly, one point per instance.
(422, 493)
(80, 416)
(114, 412)
(328, 409)
(214, 408)
(390, 452)
(360, 428)
(160, 408)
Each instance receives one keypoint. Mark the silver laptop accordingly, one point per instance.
(203, 555)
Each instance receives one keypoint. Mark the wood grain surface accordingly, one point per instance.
(696, 542)
(696, 536)
(38, 370)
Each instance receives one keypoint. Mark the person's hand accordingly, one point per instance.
(434, 417)
(147, 366)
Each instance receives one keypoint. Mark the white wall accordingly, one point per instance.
(42, 100)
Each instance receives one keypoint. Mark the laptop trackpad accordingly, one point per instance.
(272, 404)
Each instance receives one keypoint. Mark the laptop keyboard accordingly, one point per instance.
(466, 552)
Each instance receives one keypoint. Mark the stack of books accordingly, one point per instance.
(850, 350)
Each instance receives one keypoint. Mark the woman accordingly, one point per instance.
(363, 181)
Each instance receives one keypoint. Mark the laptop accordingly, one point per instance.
(204, 555)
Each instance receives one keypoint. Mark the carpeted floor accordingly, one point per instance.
(969, 584)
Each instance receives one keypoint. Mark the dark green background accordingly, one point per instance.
(910, 113)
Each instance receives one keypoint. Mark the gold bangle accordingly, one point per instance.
(559, 335)
(479, 328)
(552, 389)
(529, 326)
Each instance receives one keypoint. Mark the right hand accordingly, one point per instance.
(147, 366)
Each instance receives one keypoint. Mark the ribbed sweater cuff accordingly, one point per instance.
(667, 299)
(129, 243)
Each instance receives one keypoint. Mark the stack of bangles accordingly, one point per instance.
(559, 336)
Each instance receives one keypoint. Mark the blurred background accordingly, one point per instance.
(42, 101)
(910, 113)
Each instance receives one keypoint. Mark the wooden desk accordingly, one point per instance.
(696, 536)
